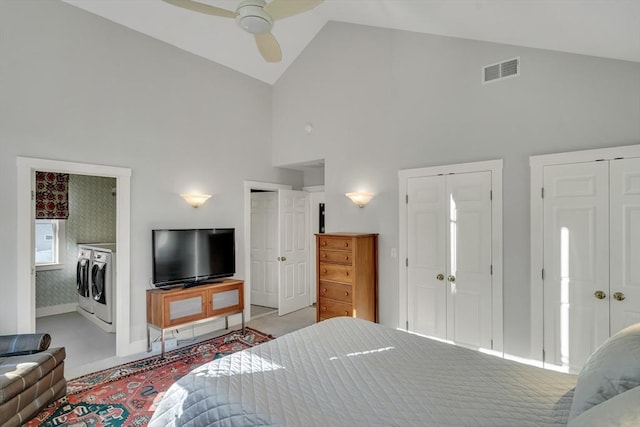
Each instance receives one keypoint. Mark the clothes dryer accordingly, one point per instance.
(103, 284)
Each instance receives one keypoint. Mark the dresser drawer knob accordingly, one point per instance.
(324, 243)
(346, 258)
(324, 289)
(346, 313)
(346, 294)
(346, 245)
(324, 255)
(324, 308)
(346, 273)
(324, 271)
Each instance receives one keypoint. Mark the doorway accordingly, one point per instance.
(26, 298)
(264, 252)
(277, 245)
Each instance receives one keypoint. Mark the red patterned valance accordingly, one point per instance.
(52, 195)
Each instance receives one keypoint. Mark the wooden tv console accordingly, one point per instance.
(177, 307)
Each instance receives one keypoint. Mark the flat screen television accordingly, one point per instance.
(192, 257)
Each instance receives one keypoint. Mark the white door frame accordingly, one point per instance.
(537, 164)
(26, 292)
(495, 166)
(248, 186)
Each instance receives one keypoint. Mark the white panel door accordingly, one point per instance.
(625, 243)
(426, 252)
(264, 249)
(576, 262)
(449, 257)
(294, 290)
(468, 280)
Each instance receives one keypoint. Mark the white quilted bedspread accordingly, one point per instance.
(350, 372)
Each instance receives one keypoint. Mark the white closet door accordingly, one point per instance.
(294, 289)
(264, 249)
(426, 252)
(625, 243)
(469, 259)
(576, 261)
(449, 257)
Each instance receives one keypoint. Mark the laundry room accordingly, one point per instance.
(75, 236)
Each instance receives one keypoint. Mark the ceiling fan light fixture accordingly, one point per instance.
(254, 24)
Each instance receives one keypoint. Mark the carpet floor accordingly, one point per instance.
(127, 395)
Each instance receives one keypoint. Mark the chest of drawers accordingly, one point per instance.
(347, 275)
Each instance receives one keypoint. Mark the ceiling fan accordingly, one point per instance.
(256, 17)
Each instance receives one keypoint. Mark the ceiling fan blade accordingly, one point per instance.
(202, 8)
(268, 47)
(279, 9)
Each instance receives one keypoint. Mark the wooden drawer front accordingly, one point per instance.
(336, 291)
(336, 257)
(328, 308)
(335, 272)
(343, 243)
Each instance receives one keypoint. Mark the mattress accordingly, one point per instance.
(350, 372)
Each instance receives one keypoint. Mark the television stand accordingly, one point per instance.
(178, 307)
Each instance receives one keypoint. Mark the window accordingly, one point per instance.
(49, 235)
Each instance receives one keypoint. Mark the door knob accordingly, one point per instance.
(451, 278)
(599, 294)
(618, 296)
(440, 276)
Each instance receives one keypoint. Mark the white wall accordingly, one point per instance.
(79, 88)
(384, 100)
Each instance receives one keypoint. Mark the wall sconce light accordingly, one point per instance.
(360, 198)
(195, 199)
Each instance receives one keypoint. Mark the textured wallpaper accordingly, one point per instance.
(92, 219)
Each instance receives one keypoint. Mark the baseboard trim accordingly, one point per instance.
(56, 309)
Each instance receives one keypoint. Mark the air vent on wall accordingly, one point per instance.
(501, 70)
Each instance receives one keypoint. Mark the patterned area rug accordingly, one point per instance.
(128, 394)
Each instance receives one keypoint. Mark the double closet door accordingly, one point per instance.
(449, 257)
(591, 261)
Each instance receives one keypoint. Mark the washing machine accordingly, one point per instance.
(103, 283)
(83, 278)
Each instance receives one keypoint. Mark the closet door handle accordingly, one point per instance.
(618, 296)
(440, 276)
(451, 278)
(600, 294)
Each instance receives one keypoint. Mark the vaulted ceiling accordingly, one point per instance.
(605, 28)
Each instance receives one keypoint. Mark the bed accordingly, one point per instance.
(350, 372)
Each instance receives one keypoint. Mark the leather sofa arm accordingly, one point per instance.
(16, 345)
